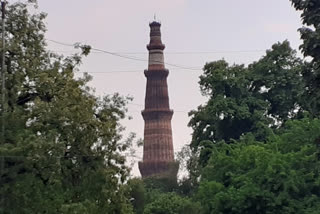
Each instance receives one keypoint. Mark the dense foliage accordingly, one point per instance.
(281, 176)
(255, 144)
(61, 152)
(171, 203)
(152, 196)
(310, 35)
(248, 99)
(258, 134)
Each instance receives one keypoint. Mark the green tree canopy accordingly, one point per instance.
(281, 176)
(310, 35)
(62, 151)
(171, 203)
(248, 99)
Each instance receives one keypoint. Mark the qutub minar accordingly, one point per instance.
(158, 154)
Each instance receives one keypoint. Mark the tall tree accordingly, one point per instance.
(248, 99)
(310, 35)
(276, 78)
(231, 108)
(63, 150)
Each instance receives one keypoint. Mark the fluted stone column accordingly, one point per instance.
(158, 154)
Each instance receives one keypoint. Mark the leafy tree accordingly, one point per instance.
(281, 176)
(150, 196)
(171, 203)
(231, 109)
(62, 151)
(137, 193)
(190, 170)
(310, 35)
(310, 32)
(273, 167)
(248, 99)
(276, 78)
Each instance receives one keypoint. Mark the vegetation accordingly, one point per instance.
(255, 145)
(281, 176)
(252, 99)
(62, 151)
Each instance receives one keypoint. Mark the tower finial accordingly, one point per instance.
(154, 17)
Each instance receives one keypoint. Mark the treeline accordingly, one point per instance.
(255, 145)
(256, 141)
(62, 150)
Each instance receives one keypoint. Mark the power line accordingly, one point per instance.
(125, 56)
(110, 72)
(61, 43)
(144, 60)
(175, 53)
(121, 55)
(121, 71)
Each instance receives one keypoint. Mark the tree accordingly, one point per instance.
(310, 35)
(248, 99)
(281, 176)
(189, 169)
(276, 78)
(231, 109)
(138, 194)
(171, 203)
(63, 148)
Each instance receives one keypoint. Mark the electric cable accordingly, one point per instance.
(125, 56)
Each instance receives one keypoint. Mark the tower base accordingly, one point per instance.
(159, 169)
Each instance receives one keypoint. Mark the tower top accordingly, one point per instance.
(155, 24)
(155, 37)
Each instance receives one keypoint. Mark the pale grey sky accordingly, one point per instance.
(236, 30)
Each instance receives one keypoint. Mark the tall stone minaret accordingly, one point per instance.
(158, 155)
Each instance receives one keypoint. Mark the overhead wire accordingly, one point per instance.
(110, 72)
(177, 52)
(125, 56)
(122, 55)
(121, 71)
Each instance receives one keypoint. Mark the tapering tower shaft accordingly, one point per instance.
(158, 155)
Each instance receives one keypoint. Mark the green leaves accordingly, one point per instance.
(310, 35)
(281, 176)
(228, 107)
(63, 151)
(248, 99)
(255, 157)
(310, 9)
(171, 203)
(277, 78)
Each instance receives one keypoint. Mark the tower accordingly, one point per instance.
(158, 155)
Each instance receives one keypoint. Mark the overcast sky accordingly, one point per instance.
(239, 31)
